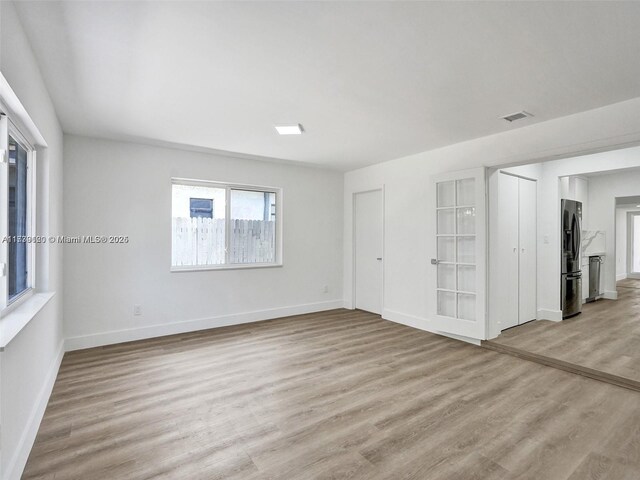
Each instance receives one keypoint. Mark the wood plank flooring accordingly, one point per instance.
(334, 395)
(605, 337)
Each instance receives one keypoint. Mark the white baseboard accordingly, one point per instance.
(152, 331)
(622, 276)
(611, 295)
(462, 338)
(406, 319)
(422, 324)
(16, 465)
(553, 315)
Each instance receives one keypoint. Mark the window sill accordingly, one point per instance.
(204, 268)
(16, 302)
(13, 322)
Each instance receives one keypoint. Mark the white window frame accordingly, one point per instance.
(228, 188)
(9, 128)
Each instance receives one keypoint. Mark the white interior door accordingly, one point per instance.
(527, 277)
(508, 233)
(368, 231)
(633, 245)
(458, 276)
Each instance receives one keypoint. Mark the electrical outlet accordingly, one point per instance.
(137, 310)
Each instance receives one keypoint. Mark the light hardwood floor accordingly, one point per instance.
(340, 394)
(604, 337)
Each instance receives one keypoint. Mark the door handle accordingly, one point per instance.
(379, 258)
(434, 261)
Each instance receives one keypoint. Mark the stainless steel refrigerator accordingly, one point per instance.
(571, 282)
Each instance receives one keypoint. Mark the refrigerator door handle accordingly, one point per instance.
(578, 238)
(575, 230)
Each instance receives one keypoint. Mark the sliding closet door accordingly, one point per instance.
(508, 238)
(527, 255)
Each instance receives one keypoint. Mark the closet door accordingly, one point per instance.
(508, 228)
(527, 281)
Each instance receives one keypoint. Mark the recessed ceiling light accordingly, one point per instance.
(290, 129)
(637, 206)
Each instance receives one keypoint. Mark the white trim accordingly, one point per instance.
(621, 276)
(516, 175)
(460, 338)
(495, 321)
(407, 319)
(15, 465)
(353, 245)
(217, 184)
(10, 129)
(12, 323)
(18, 300)
(424, 325)
(553, 315)
(630, 242)
(153, 331)
(227, 230)
(225, 266)
(4, 212)
(610, 295)
(458, 327)
(228, 187)
(11, 105)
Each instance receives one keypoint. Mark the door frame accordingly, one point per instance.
(493, 327)
(535, 237)
(482, 251)
(630, 272)
(353, 244)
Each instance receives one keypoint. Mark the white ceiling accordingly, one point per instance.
(369, 81)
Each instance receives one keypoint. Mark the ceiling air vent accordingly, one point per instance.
(517, 116)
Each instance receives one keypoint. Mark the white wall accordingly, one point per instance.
(577, 188)
(409, 235)
(29, 363)
(118, 188)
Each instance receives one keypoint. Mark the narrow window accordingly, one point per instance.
(17, 218)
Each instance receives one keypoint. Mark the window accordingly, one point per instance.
(16, 187)
(216, 225)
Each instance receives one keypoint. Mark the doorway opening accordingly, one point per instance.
(633, 243)
(588, 217)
